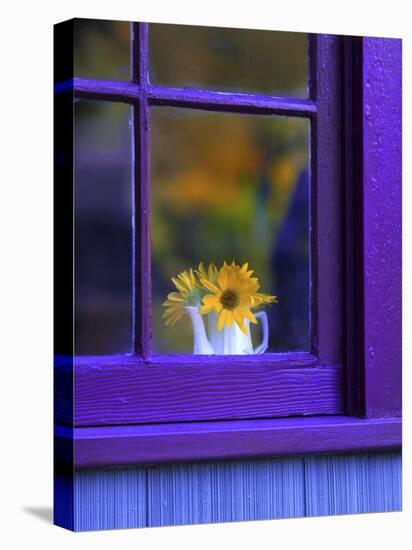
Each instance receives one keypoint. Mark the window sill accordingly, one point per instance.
(126, 390)
(158, 443)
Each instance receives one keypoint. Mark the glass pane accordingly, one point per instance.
(231, 187)
(102, 49)
(103, 228)
(266, 62)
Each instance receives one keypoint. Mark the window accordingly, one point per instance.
(229, 185)
(139, 395)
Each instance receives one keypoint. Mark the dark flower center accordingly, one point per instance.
(229, 299)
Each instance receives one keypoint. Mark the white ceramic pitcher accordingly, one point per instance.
(228, 341)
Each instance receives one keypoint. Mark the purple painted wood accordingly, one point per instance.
(326, 203)
(232, 102)
(382, 225)
(179, 389)
(67, 86)
(103, 90)
(128, 390)
(129, 92)
(141, 215)
(150, 444)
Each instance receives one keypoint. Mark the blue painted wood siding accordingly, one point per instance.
(237, 491)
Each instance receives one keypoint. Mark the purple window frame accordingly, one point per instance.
(343, 395)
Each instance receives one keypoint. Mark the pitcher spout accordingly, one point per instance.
(201, 344)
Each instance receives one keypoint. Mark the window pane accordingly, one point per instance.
(224, 187)
(102, 49)
(103, 230)
(266, 62)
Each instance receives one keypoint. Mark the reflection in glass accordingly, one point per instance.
(267, 62)
(102, 49)
(103, 234)
(227, 186)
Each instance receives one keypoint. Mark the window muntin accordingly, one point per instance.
(227, 186)
(229, 60)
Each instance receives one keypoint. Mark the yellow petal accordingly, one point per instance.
(179, 285)
(175, 297)
(239, 320)
(222, 319)
(247, 313)
(168, 303)
(264, 299)
(222, 279)
(210, 286)
(170, 311)
(245, 300)
(201, 271)
(211, 301)
(172, 315)
(209, 298)
(206, 309)
(229, 318)
(212, 271)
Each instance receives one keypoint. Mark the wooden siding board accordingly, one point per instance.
(387, 495)
(225, 491)
(229, 491)
(110, 499)
(179, 494)
(350, 484)
(238, 490)
(63, 499)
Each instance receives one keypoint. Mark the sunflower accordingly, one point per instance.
(233, 293)
(258, 297)
(188, 294)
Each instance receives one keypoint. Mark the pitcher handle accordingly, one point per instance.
(263, 346)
